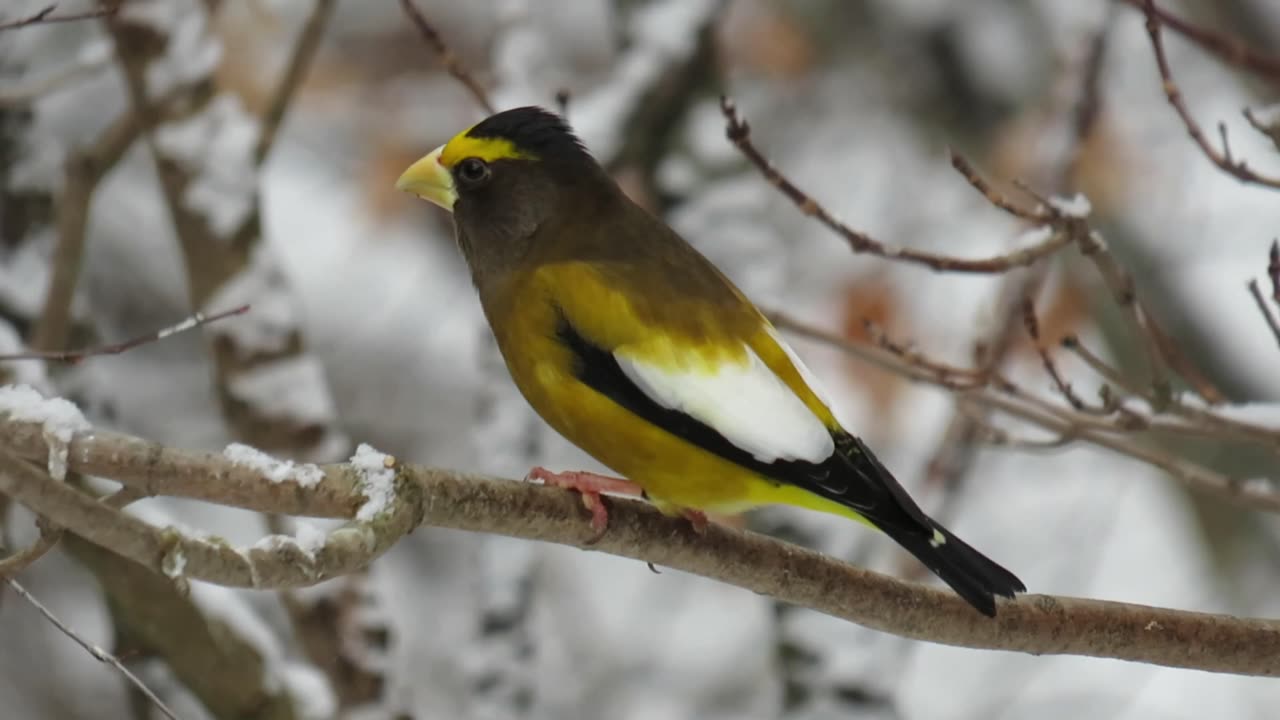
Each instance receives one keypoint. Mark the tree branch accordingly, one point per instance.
(304, 51)
(1222, 158)
(1230, 50)
(46, 16)
(1037, 624)
(446, 55)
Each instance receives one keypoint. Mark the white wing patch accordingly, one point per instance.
(805, 374)
(743, 401)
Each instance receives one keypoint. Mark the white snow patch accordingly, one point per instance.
(1269, 115)
(1038, 235)
(311, 691)
(24, 274)
(662, 35)
(272, 468)
(292, 387)
(216, 147)
(377, 481)
(1077, 206)
(311, 538)
(20, 372)
(192, 52)
(1266, 414)
(267, 327)
(174, 563)
(59, 419)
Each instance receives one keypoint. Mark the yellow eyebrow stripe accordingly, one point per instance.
(486, 148)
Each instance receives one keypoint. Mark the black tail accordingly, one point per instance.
(880, 499)
(974, 576)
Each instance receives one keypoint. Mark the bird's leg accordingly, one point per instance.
(590, 486)
(697, 519)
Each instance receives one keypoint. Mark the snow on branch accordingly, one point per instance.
(1037, 624)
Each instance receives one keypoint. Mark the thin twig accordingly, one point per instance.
(304, 51)
(447, 57)
(74, 356)
(98, 653)
(46, 16)
(1273, 270)
(1223, 159)
(1032, 326)
(1231, 50)
(1270, 131)
(739, 133)
(1265, 309)
(83, 172)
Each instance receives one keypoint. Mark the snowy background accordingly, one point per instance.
(858, 102)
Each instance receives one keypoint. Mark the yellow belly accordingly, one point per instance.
(674, 473)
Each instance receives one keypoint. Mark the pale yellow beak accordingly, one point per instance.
(430, 180)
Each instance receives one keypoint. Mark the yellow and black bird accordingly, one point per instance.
(638, 350)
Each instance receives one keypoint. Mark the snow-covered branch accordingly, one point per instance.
(389, 499)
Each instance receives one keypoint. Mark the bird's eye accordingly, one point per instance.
(473, 171)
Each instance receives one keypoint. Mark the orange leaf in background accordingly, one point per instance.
(1064, 312)
(872, 299)
(762, 38)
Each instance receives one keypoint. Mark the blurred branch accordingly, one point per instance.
(1222, 158)
(83, 171)
(1038, 624)
(1231, 50)
(304, 52)
(452, 65)
(1122, 433)
(220, 661)
(50, 535)
(331, 631)
(46, 16)
(75, 356)
(657, 114)
(98, 653)
(272, 392)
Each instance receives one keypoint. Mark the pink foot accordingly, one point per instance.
(590, 486)
(697, 519)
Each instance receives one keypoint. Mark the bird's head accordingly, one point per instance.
(504, 177)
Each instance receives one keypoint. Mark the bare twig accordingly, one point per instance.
(1265, 309)
(46, 16)
(1032, 325)
(1121, 284)
(1273, 270)
(1223, 158)
(304, 51)
(447, 57)
(1115, 434)
(1231, 50)
(1271, 131)
(98, 653)
(1038, 624)
(74, 356)
(739, 133)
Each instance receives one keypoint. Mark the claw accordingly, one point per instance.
(590, 486)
